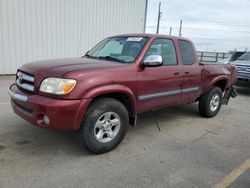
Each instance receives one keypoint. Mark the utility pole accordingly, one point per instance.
(170, 30)
(180, 28)
(159, 17)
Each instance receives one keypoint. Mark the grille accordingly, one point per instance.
(243, 71)
(25, 81)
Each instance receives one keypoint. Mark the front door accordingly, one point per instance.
(160, 86)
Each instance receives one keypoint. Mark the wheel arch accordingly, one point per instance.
(220, 82)
(121, 93)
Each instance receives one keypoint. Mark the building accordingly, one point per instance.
(32, 30)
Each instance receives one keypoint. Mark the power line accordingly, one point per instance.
(201, 29)
(207, 22)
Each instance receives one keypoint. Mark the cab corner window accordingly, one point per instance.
(164, 48)
(187, 52)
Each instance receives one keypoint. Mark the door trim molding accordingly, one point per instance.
(190, 90)
(167, 93)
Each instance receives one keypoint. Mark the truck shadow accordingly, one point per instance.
(31, 141)
(166, 115)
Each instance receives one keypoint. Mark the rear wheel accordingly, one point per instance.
(210, 103)
(104, 125)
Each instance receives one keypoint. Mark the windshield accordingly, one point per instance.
(120, 49)
(245, 57)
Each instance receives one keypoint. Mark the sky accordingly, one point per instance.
(213, 25)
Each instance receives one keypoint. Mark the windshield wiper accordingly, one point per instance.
(90, 56)
(111, 59)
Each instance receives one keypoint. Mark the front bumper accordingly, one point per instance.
(243, 82)
(62, 114)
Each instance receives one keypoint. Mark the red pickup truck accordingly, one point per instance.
(102, 92)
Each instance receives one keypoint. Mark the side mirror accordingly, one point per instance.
(152, 61)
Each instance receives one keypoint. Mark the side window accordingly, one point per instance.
(166, 49)
(187, 52)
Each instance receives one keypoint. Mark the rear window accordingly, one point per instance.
(187, 52)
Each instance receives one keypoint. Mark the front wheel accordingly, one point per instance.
(104, 125)
(210, 103)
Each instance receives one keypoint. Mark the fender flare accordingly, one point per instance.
(215, 80)
(109, 89)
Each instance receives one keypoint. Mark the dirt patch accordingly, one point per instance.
(22, 142)
(2, 147)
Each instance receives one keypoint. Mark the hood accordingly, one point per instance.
(238, 62)
(58, 67)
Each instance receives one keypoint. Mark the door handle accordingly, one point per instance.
(176, 73)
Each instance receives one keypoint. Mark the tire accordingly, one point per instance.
(210, 103)
(104, 125)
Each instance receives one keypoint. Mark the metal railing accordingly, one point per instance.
(212, 57)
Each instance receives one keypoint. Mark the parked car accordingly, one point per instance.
(99, 94)
(235, 55)
(243, 67)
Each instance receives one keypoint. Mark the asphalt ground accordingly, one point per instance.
(187, 151)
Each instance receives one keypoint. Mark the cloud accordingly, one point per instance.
(220, 25)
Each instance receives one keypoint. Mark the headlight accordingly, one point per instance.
(57, 86)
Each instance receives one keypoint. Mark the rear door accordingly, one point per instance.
(191, 72)
(160, 86)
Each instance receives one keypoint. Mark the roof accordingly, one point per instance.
(150, 35)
